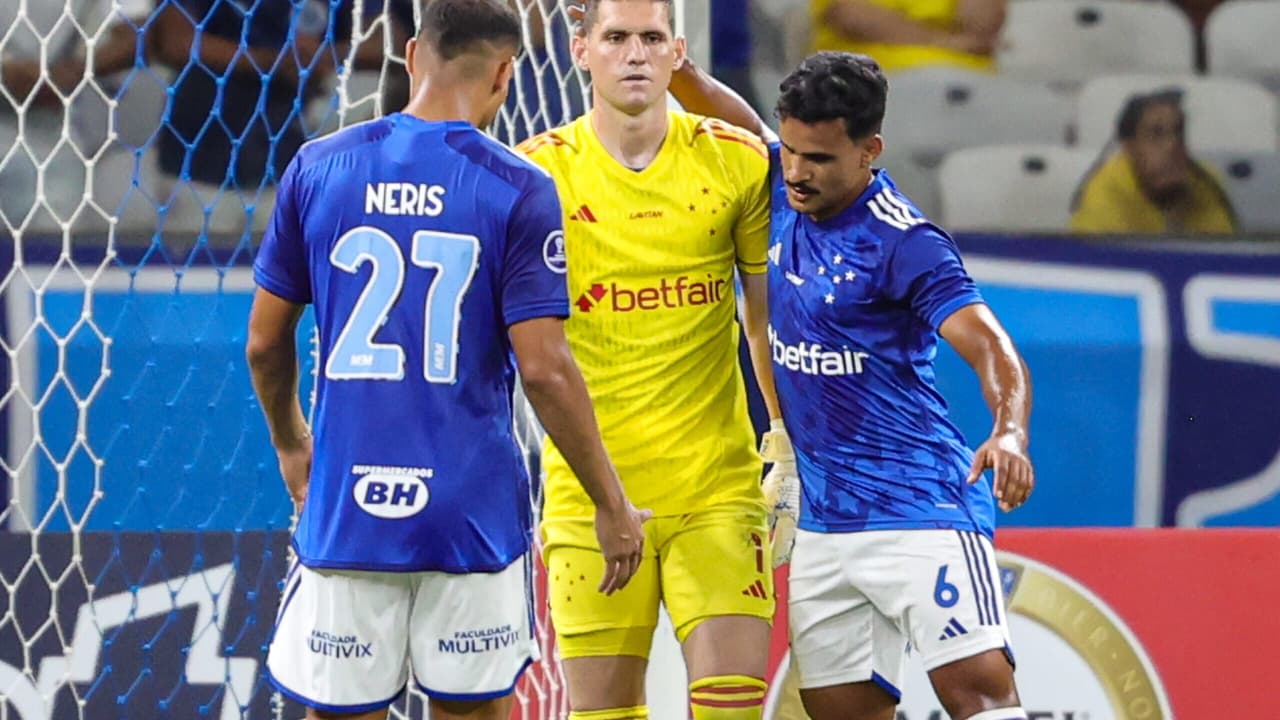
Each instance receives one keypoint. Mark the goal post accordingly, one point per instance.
(143, 524)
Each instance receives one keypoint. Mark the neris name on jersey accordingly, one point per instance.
(401, 198)
(812, 359)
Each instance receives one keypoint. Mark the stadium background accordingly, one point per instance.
(145, 529)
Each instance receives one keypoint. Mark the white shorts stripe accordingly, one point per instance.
(291, 582)
(858, 599)
(985, 563)
(977, 586)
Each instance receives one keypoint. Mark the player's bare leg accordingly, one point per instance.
(313, 714)
(977, 684)
(605, 682)
(851, 701)
(727, 660)
(496, 709)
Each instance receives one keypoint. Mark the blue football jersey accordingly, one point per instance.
(855, 302)
(419, 243)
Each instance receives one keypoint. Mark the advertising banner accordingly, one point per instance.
(1156, 370)
(1106, 624)
(1124, 625)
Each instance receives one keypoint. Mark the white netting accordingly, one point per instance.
(143, 533)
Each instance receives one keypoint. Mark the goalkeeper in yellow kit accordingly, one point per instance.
(661, 207)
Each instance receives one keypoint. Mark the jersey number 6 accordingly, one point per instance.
(454, 258)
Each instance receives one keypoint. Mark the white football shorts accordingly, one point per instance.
(858, 599)
(344, 641)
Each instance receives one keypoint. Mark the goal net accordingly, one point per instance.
(143, 524)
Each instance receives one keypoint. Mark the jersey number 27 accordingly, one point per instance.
(453, 257)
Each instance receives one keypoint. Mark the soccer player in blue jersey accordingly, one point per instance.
(432, 254)
(897, 514)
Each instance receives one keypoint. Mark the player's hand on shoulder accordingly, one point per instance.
(295, 468)
(1013, 477)
(620, 532)
(781, 490)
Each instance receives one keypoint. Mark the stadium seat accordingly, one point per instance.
(1017, 188)
(1070, 41)
(916, 181)
(1222, 113)
(1251, 181)
(933, 111)
(1240, 40)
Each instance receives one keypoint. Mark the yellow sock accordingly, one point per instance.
(727, 697)
(640, 712)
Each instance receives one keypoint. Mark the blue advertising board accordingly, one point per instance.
(1156, 371)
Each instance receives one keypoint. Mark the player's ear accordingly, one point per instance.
(682, 52)
(502, 81)
(578, 47)
(410, 52)
(871, 149)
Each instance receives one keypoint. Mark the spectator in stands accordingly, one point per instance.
(547, 91)
(1150, 183)
(236, 116)
(903, 34)
(731, 47)
(46, 54)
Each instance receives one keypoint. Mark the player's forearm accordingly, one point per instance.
(19, 76)
(559, 397)
(700, 93)
(1006, 387)
(981, 17)
(274, 369)
(761, 363)
(175, 39)
(755, 325)
(117, 52)
(873, 23)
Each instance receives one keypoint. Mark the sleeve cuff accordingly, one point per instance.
(557, 308)
(280, 289)
(940, 315)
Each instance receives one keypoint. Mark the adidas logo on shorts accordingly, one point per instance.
(953, 630)
(756, 590)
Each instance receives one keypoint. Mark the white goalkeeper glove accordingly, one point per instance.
(781, 490)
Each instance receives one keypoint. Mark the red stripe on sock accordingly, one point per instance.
(713, 702)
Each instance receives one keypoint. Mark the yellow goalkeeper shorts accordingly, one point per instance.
(705, 564)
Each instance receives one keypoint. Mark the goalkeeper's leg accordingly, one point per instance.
(604, 641)
(717, 581)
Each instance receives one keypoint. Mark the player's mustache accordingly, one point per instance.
(801, 188)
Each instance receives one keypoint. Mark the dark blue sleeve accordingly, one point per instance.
(925, 271)
(533, 272)
(282, 266)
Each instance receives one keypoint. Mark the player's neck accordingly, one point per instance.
(633, 140)
(845, 203)
(442, 103)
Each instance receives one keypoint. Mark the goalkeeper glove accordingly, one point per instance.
(781, 490)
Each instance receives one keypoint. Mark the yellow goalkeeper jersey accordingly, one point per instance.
(651, 257)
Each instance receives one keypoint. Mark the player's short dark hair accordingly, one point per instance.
(1138, 104)
(836, 86)
(453, 27)
(592, 11)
